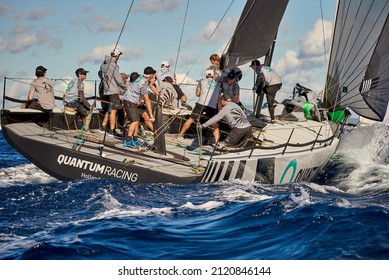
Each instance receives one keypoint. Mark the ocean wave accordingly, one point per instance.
(23, 174)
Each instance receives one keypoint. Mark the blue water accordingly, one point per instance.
(342, 215)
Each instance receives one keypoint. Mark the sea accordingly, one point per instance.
(342, 215)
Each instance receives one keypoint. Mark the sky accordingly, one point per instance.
(65, 35)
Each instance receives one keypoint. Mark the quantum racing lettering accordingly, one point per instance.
(96, 167)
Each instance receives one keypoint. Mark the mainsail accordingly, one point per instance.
(358, 71)
(255, 31)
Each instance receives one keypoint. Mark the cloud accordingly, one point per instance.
(4, 9)
(110, 26)
(17, 89)
(3, 44)
(23, 42)
(187, 59)
(97, 55)
(288, 61)
(293, 66)
(99, 23)
(27, 40)
(20, 29)
(312, 43)
(39, 13)
(189, 88)
(3, 73)
(87, 8)
(153, 6)
(222, 34)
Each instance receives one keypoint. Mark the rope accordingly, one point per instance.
(200, 141)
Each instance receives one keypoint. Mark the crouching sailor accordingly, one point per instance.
(233, 114)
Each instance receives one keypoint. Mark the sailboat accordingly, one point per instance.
(293, 149)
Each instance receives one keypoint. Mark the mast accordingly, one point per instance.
(269, 55)
(159, 141)
(259, 99)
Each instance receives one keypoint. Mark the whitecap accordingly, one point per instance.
(241, 191)
(366, 150)
(22, 175)
(209, 205)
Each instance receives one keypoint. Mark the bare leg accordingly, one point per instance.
(186, 126)
(147, 121)
(216, 134)
(105, 120)
(132, 128)
(112, 119)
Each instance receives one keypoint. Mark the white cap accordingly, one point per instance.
(116, 52)
(165, 63)
(209, 72)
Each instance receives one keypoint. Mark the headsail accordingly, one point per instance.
(358, 72)
(256, 29)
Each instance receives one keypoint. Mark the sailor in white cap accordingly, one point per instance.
(111, 84)
(208, 92)
(164, 72)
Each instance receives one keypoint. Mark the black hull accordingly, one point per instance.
(54, 120)
(51, 149)
(69, 164)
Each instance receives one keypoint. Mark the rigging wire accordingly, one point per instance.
(124, 24)
(241, 22)
(182, 32)
(117, 42)
(324, 37)
(209, 38)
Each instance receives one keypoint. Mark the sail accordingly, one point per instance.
(358, 71)
(255, 31)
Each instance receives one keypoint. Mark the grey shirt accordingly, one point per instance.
(112, 80)
(136, 90)
(44, 87)
(163, 73)
(75, 93)
(232, 114)
(168, 95)
(230, 91)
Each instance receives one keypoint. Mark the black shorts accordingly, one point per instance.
(202, 111)
(35, 105)
(115, 100)
(237, 136)
(79, 107)
(141, 109)
(131, 111)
